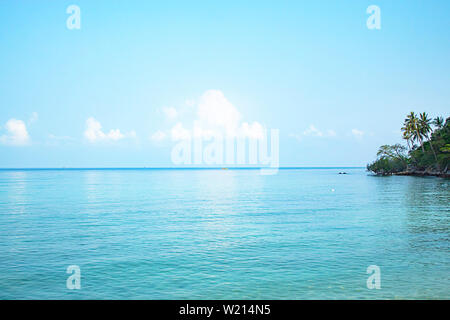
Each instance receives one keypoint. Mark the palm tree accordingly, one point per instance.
(438, 122)
(407, 130)
(411, 130)
(425, 129)
(425, 124)
(408, 136)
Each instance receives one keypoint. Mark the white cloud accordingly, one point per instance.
(178, 132)
(115, 134)
(200, 131)
(215, 110)
(170, 112)
(254, 130)
(312, 131)
(216, 116)
(158, 136)
(17, 133)
(94, 133)
(357, 133)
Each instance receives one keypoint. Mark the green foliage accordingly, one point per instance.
(386, 166)
(437, 148)
(391, 159)
(432, 151)
(445, 149)
(438, 122)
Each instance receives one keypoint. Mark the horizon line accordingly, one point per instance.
(178, 168)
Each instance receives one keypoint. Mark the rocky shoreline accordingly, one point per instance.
(423, 173)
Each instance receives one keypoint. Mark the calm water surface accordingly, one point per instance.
(222, 234)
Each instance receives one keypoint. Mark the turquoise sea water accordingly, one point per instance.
(222, 234)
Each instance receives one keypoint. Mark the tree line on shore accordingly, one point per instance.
(427, 149)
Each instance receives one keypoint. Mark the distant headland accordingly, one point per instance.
(427, 150)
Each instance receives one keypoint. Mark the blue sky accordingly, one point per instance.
(312, 69)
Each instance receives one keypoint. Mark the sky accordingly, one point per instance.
(138, 77)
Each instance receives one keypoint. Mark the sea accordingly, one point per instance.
(303, 233)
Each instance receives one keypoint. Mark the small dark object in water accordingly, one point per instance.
(342, 172)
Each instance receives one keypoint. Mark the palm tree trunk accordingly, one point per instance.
(421, 143)
(434, 153)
